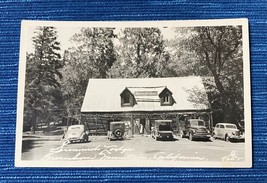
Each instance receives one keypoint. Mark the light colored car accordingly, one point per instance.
(162, 130)
(228, 132)
(76, 133)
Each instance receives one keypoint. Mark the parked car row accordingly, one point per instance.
(78, 133)
(195, 129)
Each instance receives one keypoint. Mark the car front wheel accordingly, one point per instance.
(182, 134)
(191, 137)
(86, 139)
(227, 138)
(214, 136)
(118, 132)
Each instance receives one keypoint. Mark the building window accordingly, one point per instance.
(126, 98)
(166, 99)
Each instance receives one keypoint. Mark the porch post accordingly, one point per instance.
(178, 123)
(132, 125)
(211, 121)
(96, 125)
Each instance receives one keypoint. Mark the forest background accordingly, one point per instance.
(57, 77)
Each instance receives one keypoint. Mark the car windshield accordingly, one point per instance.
(75, 128)
(197, 123)
(164, 126)
(117, 124)
(230, 126)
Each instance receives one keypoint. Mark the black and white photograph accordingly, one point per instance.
(134, 94)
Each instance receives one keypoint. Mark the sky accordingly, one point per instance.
(65, 34)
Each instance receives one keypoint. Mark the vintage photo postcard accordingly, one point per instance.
(134, 94)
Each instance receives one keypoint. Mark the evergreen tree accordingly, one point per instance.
(42, 87)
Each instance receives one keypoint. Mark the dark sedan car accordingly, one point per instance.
(195, 129)
(117, 130)
(162, 130)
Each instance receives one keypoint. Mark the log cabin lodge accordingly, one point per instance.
(141, 101)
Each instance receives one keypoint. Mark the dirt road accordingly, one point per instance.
(137, 148)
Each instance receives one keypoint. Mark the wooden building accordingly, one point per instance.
(140, 101)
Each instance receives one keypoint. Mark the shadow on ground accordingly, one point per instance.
(27, 145)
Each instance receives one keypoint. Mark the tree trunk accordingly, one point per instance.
(34, 122)
(230, 111)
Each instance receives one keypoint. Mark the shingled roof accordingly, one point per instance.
(103, 95)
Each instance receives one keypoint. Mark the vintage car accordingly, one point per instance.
(195, 129)
(162, 130)
(76, 133)
(117, 130)
(228, 132)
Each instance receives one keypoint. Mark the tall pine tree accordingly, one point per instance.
(42, 96)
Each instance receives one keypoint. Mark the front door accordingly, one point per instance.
(142, 125)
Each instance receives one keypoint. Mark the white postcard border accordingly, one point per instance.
(122, 163)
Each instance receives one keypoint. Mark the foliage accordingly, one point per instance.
(42, 87)
(184, 61)
(91, 57)
(215, 53)
(141, 53)
(219, 50)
